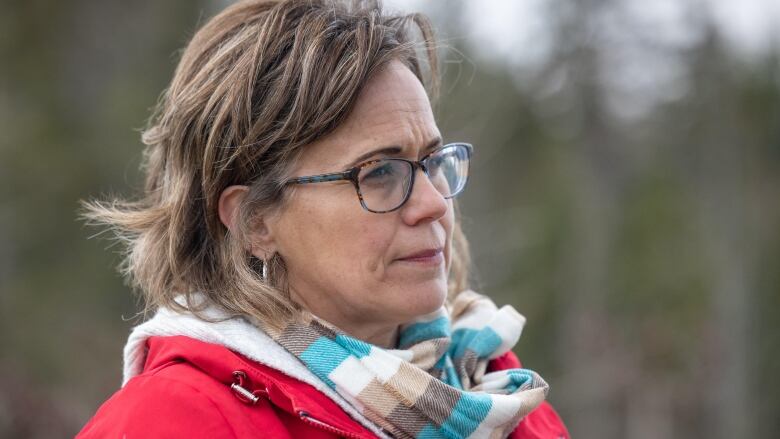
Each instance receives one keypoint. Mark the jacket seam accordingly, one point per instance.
(205, 396)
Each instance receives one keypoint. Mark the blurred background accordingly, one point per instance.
(624, 198)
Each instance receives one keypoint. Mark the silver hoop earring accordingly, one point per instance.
(265, 271)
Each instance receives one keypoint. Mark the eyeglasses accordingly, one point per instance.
(384, 185)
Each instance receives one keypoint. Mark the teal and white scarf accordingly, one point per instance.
(435, 384)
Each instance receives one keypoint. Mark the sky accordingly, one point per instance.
(750, 26)
(643, 42)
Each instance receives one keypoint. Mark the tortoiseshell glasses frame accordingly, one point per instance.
(385, 174)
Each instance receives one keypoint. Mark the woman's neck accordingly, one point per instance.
(382, 337)
(381, 334)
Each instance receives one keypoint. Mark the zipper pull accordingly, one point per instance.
(307, 418)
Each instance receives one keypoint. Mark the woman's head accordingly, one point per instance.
(266, 91)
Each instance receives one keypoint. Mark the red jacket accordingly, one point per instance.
(185, 391)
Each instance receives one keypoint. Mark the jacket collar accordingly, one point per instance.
(224, 345)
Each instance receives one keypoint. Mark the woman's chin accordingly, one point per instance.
(424, 298)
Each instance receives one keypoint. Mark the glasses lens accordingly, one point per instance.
(448, 169)
(384, 184)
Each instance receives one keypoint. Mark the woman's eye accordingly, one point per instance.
(379, 172)
(435, 162)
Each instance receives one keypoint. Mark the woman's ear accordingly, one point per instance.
(229, 201)
(262, 243)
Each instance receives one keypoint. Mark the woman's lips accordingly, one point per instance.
(433, 256)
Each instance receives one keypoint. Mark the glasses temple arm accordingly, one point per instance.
(336, 176)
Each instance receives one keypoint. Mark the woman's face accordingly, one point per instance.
(355, 268)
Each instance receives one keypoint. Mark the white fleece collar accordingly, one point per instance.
(235, 334)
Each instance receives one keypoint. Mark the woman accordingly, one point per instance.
(300, 246)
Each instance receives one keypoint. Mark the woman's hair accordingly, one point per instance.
(254, 86)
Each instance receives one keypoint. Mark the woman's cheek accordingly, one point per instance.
(374, 250)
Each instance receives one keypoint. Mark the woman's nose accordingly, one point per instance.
(425, 203)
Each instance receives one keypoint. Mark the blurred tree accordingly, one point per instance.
(636, 226)
(77, 78)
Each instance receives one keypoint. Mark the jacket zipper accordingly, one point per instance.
(305, 417)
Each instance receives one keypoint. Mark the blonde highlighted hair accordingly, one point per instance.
(254, 86)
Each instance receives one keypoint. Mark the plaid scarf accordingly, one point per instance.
(434, 385)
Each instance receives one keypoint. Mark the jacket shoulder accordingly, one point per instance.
(155, 405)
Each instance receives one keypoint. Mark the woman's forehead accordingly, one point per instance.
(404, 135)
(393, 110)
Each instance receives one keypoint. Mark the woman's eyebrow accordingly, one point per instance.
(385, 150)
(394, 150)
